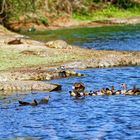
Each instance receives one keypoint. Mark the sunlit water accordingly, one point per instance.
(64, 117)
(111, 38)
(90, 118)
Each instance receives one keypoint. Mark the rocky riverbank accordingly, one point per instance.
(26, 62)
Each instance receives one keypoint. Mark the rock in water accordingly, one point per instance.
(44, 100)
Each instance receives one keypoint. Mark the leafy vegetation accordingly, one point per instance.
(44, 11)
(99, 10)
(109, 11)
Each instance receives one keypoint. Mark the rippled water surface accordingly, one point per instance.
(90, 118)
(111, 38)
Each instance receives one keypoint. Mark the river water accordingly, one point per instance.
(90, 118)
(110, 38)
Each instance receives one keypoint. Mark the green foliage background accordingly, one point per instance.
(39, 11)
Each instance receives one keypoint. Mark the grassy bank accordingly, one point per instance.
(109, 11)
(16, 58)
(12, 58)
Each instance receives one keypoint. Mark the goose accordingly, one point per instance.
(78, 86)
(118, 92)
(133, 91)
(124, 88)
(108, 91)
(136, 91)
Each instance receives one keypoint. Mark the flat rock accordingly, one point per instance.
(28, 86)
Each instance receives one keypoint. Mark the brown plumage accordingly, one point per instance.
(79, 86)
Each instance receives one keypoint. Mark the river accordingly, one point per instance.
(90, 118)
(110, 38)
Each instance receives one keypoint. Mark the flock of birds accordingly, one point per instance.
(78, 90)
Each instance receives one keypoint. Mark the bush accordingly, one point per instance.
(125, 4)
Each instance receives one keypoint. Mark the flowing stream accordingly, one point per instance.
(90, 118)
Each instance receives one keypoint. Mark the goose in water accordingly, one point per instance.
(118, 92)
(77, 89)
(78, 86)
(133, 91)
(136, 91)
(124, 88)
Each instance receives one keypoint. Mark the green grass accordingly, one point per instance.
(14, 58)
(109, 11)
